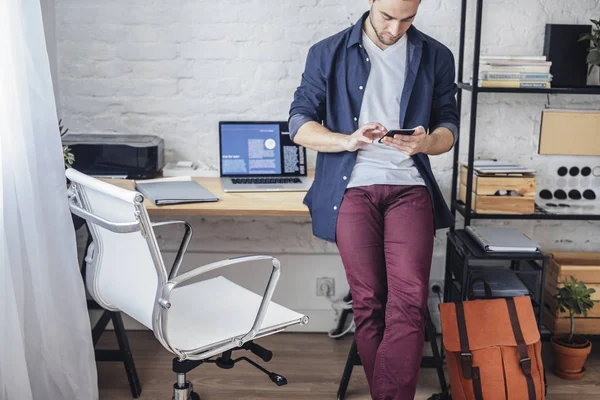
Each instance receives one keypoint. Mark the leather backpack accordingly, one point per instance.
(493, 349)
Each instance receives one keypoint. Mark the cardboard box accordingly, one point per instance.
(583, 266)
(570, 132)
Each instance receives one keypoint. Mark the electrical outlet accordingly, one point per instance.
(325, 287)
(436, 287)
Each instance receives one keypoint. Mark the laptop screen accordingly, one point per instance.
(259, 148)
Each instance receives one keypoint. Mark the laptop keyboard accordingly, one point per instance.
(265, 180)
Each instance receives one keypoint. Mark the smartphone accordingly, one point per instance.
(398, 132)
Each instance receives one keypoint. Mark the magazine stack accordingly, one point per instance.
(531, 72)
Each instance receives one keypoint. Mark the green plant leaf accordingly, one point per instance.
(593, 57)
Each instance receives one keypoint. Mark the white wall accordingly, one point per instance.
(175, 68)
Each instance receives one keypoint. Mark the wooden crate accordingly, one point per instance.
(485, 186)
(584, 266)
(583, 326)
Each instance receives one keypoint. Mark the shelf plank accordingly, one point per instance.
(535, 216)
(592, 90)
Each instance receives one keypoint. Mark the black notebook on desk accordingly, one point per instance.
(164, 192)
(501, 239)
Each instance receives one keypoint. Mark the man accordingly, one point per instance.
(380, 202)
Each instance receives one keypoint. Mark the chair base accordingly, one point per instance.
(183, 389)
(184, 392)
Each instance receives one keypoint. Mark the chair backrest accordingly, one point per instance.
(126, 268)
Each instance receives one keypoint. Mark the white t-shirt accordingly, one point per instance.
(376, 163)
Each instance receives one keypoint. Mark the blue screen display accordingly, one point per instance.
(253, 149)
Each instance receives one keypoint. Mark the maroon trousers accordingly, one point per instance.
(385, 238)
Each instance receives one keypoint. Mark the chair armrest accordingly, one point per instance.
(118, 227)
(164, 301)
(185, 241)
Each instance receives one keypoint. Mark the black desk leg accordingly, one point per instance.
(134, 382)
(353, 359)
(437, 357)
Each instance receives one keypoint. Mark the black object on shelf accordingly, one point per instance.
(589, 194)
(568, 55)
(546, 194)
(562, 171)
(560, 194)
(574, 171)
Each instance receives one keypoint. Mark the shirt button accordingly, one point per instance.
(335, 207)
(344, 178)
(360, 87)
(367, 59)
(355, 119)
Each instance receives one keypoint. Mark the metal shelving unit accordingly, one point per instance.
(465, 208)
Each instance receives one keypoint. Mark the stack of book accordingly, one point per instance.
(514, 72)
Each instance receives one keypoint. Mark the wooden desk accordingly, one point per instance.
(281, 204)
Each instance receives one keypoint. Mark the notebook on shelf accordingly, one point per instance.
(179, 190)
(501, 239)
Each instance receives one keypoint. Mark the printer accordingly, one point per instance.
(117, 155)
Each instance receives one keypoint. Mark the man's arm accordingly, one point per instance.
(308, 109)
(444, 112)
(440, 140)
(316, 137)
(309, 98)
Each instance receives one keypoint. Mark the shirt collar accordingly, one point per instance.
(415, 37)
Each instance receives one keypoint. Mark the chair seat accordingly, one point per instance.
(216, 310)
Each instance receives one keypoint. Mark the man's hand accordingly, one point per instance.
(364, 136)
(418, 142)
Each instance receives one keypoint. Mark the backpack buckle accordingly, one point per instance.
(526, 365)
(466, 361)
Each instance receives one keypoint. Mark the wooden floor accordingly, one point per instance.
(312, 363)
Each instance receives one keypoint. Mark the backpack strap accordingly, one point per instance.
(466, 357)
(521, 346)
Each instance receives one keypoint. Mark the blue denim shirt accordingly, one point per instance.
(331, 92)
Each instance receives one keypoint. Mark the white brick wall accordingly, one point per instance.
(175, 68)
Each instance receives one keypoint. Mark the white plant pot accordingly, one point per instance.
(593, 78)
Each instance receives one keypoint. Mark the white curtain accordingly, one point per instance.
(45, 340)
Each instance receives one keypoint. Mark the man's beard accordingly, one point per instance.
(382, 39)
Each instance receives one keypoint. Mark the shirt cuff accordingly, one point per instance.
(296, 121)
(452, 127)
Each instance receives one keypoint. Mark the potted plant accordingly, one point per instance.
(572, 350)
(68, 157)
(593, 57)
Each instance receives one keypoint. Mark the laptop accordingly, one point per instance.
(261, 157)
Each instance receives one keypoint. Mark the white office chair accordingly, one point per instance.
(126, 273)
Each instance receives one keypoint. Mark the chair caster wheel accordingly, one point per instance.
(194, 396)
(278, 379)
